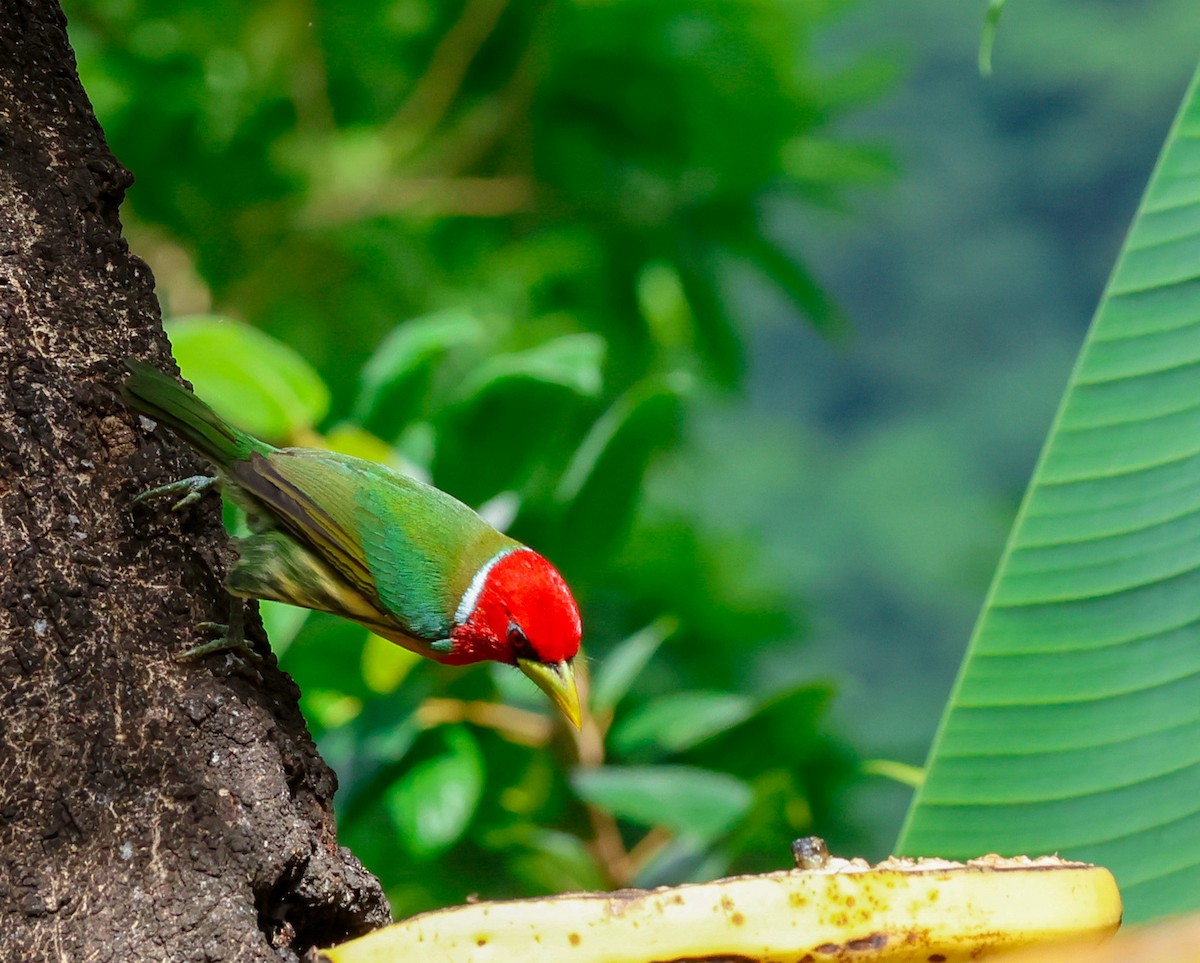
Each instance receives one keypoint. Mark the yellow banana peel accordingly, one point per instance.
(899, 911)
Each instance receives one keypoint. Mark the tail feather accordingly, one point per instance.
(157, 396)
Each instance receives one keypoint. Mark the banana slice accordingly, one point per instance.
(931, 911)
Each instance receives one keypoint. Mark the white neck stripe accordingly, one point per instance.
(470, 599)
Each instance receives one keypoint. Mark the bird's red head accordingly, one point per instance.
(517, 609)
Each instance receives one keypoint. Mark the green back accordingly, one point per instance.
(410, 546)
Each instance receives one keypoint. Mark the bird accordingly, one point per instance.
(352, 537)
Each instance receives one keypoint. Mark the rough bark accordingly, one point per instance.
(149, 809)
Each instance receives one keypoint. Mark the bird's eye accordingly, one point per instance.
(519, 642)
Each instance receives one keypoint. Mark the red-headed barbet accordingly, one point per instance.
(344, 535)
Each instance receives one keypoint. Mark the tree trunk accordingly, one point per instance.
(149, 808)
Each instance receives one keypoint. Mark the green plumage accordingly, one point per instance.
(332, 532)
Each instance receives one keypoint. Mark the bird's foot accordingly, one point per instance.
(231, 637)
(189, 488)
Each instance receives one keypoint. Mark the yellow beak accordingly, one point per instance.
(557, 680)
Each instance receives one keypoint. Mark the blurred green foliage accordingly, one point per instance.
(493, 244)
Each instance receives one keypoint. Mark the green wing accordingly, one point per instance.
(408, 547)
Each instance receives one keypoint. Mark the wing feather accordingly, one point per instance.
(407, 547)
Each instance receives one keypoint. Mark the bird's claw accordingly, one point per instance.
(231, 637)
(190, 488)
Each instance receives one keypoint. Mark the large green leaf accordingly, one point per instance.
(1075, 722)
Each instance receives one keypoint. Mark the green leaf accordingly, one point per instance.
(410, 348)
(622, 417)
(796, 282)
(601, 485)
(824, 163)
(716, 333)
(679, 721)
(901, 772)
(697, 803)
(258, 383)
(572, 361)
(614, 677)
(663, 304)
(431, 805)
(1074, 726)
(987, 39)
(515, 416)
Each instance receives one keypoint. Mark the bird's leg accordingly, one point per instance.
(190, 488)
(232, 635)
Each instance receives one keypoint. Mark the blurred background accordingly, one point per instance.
(750, 314)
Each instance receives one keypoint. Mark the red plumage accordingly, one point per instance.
(524, 611)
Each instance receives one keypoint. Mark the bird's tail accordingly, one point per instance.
(155, 395)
